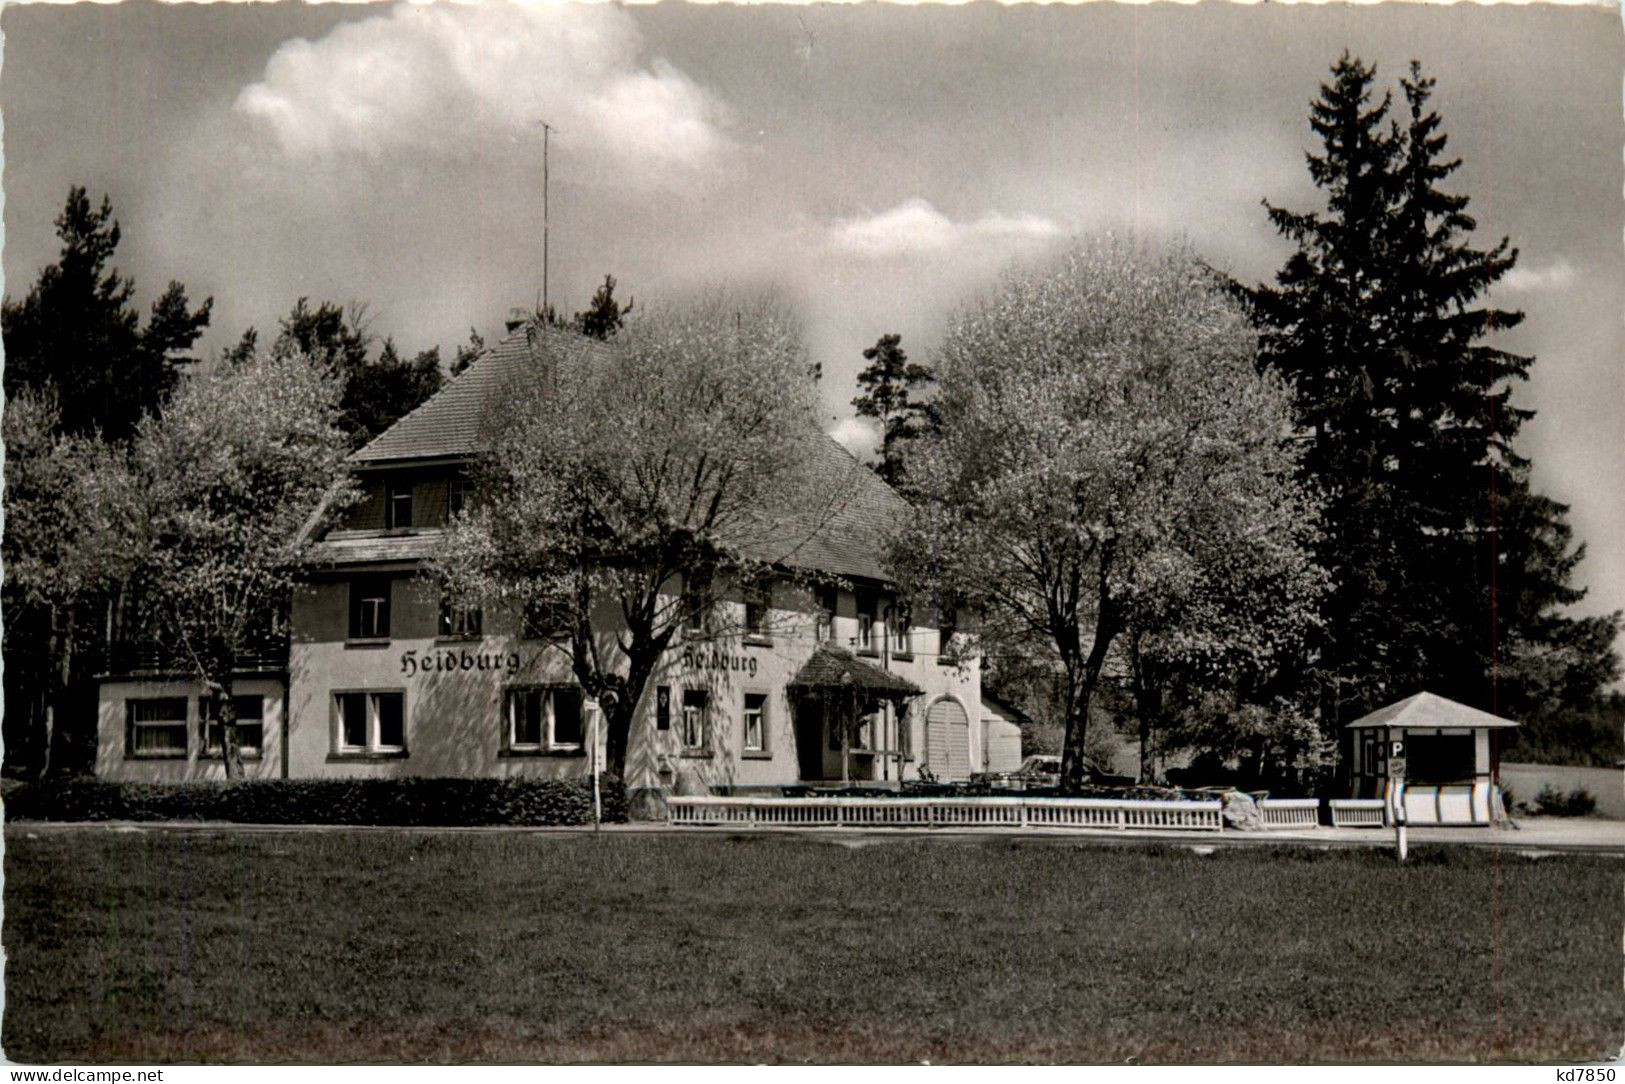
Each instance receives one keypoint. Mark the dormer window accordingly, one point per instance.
(397, 505)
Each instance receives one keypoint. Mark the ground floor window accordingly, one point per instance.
(755, 723)
(543, 718)
(155, 727)
(694, 725)
(250, 725)
(371, 722)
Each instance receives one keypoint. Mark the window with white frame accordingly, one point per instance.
(693, 733)
(155, 727)
(866, 623)
(370, 722)
(544, 719)
(753, 723)
(458, 487)
(250, 725)
(458, 622)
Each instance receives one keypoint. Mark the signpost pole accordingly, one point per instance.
(1396, 785)
(597, 800)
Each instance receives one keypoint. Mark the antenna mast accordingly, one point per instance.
(547, 131)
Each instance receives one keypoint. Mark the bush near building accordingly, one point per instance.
(403, 802)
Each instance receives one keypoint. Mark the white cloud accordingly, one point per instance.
(445, 79)
(1553, 276)
(914, 227)
(858, 435)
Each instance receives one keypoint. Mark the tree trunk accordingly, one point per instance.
(230, 746)
(1080, 693)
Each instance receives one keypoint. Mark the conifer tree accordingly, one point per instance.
(889, 386)
(1448, 571)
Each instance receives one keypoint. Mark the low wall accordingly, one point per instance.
(1607, 785)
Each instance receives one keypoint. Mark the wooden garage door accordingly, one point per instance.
(947, 740)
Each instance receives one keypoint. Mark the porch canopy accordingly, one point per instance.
(847, 686)
(832, 670)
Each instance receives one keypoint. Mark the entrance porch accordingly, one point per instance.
(851, 721)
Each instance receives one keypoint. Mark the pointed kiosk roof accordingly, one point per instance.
(832, 668)
(1426, 711)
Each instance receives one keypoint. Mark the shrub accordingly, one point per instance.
(1552, 802)
(405, 802)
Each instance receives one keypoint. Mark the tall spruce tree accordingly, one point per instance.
(1448, 572)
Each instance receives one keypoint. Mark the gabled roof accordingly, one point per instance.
(1425, 711)
(832, 668)
(447, 424)
(849, 542)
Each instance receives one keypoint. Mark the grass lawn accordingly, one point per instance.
(417, 946)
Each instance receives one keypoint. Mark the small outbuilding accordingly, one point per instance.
(1001, 733)
(1448, 754)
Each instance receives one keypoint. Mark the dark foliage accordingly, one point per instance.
(407, 802)
(889, 386)
(1449, 573)
(604, 316)
(78, 336)
(1552, 802)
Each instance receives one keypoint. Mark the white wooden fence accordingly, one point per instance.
(1357, 812)
(945, 813)
(1290, 812)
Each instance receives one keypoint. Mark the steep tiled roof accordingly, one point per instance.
(847, 541)
(833, 668)
(447, 423)
(1427, 711)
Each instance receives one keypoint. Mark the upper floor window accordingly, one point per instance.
(825, 601)
(866, 623)
(543, 619)
(457, 490)
(155, 727)
(459, 622)
(250, 725)
(758, 595)
(369, 608)
(696, 606)
(397, 504)
(900, 631)
(947, 631)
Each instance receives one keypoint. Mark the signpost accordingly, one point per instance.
(1396, 786)
(595, 713)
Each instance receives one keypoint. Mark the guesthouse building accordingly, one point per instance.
(382, 677)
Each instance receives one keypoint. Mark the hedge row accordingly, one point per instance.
(407, 802)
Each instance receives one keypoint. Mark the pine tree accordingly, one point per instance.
(1443, 560)
(889, 385)
(604, 316)
(77, 336)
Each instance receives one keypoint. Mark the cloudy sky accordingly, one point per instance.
(878, 163)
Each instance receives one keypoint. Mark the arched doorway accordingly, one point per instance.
(947, 740)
